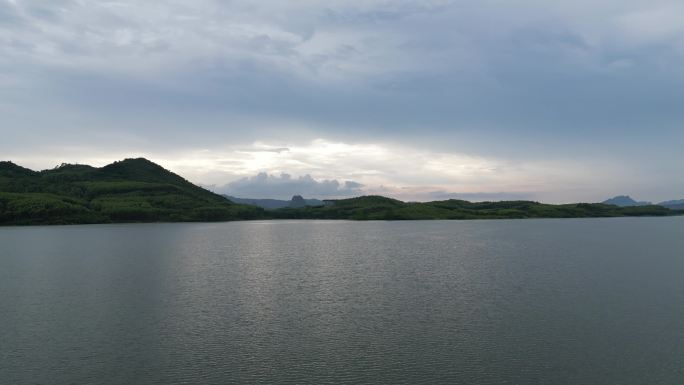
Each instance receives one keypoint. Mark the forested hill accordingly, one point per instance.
(381, 208)
(132, 190)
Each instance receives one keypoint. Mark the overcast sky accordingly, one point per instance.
(554, 101)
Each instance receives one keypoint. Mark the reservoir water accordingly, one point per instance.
(569, 301)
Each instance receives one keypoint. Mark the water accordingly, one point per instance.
(572, 301)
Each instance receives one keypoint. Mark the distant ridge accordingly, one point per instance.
(272, 204)
(624, 201)
(674, 205)
(375, 207)
(627, 201)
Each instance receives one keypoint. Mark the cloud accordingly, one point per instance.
(448, 95)
(284, 186)
(277, 150)
(397, 170)
(368, 68)
(391, 169)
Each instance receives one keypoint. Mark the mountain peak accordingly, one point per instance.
(297, 201)
(141, 169)
(137, 162)
(625, 201)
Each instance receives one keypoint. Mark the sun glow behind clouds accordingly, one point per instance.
(396, 170)
(393, 170)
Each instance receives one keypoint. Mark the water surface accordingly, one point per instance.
(573, 301)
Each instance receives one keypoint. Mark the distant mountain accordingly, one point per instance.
(674, 205)
(132, 190)
(298, 201)
(272, 204)
(624, 201)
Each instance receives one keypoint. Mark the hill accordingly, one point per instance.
(674, 205)
(132, 190)
(624, 201)
(381, 208)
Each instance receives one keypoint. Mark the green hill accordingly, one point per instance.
(132, 190)
(381, 208)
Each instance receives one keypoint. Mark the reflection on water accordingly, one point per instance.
(489, 302)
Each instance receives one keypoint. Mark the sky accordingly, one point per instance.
(561, 101)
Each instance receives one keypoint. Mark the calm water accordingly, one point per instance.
(475, 302)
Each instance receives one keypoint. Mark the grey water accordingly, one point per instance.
(570, 301)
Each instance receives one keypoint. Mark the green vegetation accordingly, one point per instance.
(381, 208)
(132, 190)
(137, 190)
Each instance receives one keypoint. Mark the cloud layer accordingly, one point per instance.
(323, 168)
(564, 82)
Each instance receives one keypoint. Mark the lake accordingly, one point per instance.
(558, 301)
